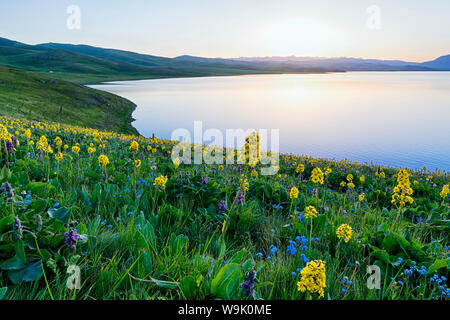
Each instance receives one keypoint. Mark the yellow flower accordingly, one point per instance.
(66, 147)
(58, 156)
(351, 185)
(343, 183)
(362, 179)
(328, 171)
(58, 141)
(300, 168)
(27, 133)
(313, 278)
(310, 212)
(245, 185)
(91, 150)
(416, 182)
(76, 149)
(176, 162)
(382, 174)
(254, 173)
(350, 177)
(361, 197)
(344, 232)
(160, 181)
(221, 168)
(445, 191)
(31, 142)
(103, 160)
(317, 176)
(293, 194)
(137, 163)
(134, 146)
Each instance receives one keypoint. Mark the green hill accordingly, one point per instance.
(35, 97)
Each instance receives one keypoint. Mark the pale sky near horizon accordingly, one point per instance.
(413, 30)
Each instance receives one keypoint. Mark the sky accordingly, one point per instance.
(411, 30)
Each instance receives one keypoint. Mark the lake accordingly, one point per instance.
(400, 119)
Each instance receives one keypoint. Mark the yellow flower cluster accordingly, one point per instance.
(76, 149)
(160, 181)
(361, 197)
(310, 212)
(317, 176)
(58, 156)
(293, 194)
(313, 278)
(4, 134)
(134, 146)
(103, 160)
(403, 190)
(445, 191)
(344, 232)
(300, 168)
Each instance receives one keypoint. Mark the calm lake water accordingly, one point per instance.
(400, 119)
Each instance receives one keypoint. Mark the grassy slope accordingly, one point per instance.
(28, 95)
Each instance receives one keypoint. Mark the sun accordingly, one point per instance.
(301, 37)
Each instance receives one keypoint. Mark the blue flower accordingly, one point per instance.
(259, 255)
(294, 274)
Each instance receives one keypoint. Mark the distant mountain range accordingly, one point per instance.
(84, 64)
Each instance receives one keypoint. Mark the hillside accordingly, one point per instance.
(35, 97)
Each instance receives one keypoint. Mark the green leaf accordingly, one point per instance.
(3, 292)
(188, 287)
(33, 272)
(61, 214)
(6, 221)
(15, 263)
(438, 264)
(20, 250)
(381, 254)
(226, 281)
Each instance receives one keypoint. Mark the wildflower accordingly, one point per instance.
(58, 156)
(272, 249)
(76, 149)
(222, 205)
(310, 212)
(328, 171)
(293, 194)
(254, 173)
(103, 160)
(249, 283)
(137, 163)
(351, 185)
(17, 229)
(160, 181)
(300, 168)
(350, 177)
(240, 198)
(344, 232)
(361, 197)
(71, 238)
(343, 184)
(362, 179)
(134, 146)
(259, 255)
(317, 176)
(445, 191)
(313, 278)
(91, 150)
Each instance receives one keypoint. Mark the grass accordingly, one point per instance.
(176, 240)
(28, 95)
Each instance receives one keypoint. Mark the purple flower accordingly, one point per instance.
(71, 238)
(17, 229)
(222, 205)
(249, 284)
(240, 198)
(205, 180)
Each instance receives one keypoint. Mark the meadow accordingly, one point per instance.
(139, 226)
